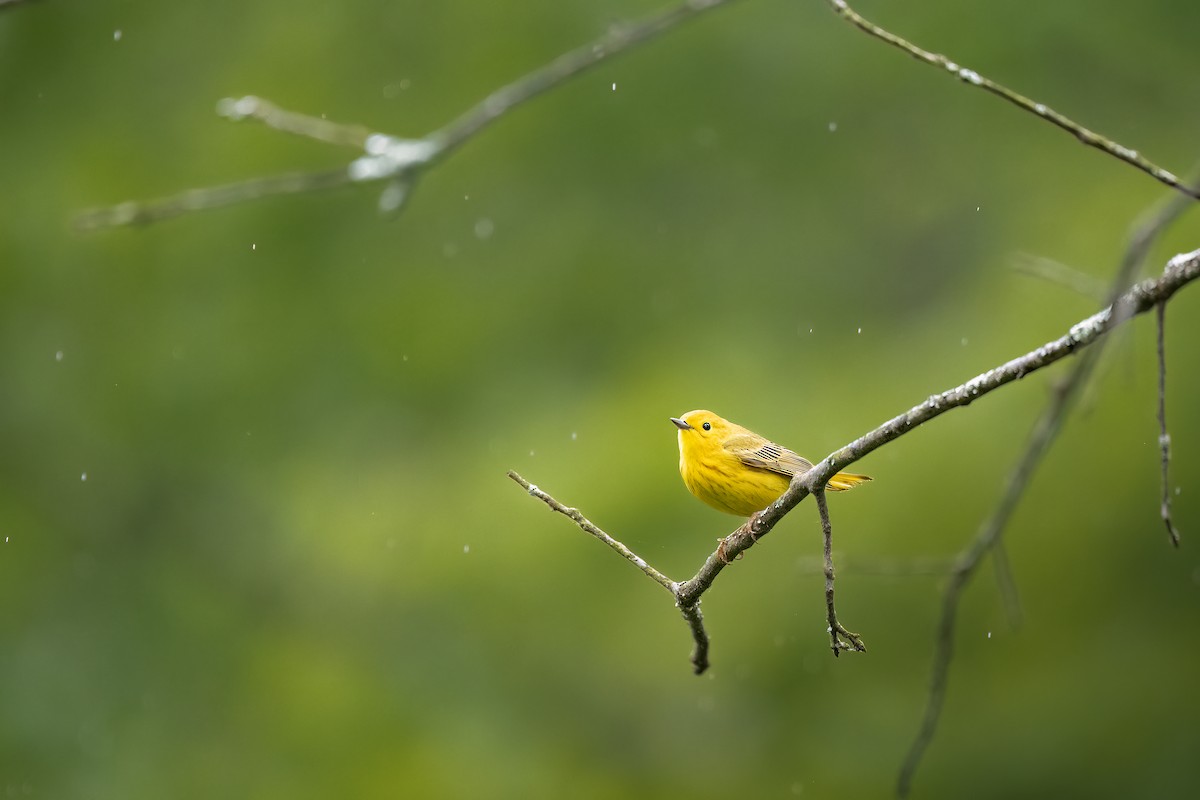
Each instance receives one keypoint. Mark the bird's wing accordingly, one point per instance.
(754, 451)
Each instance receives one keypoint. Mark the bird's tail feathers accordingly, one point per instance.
(845, 480)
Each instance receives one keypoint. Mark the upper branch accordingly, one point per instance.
(1141, 297)
(1088, 137)
(1180, 270)
(399, 161)
(619, 39)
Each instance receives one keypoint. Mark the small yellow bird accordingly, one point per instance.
(737, 471)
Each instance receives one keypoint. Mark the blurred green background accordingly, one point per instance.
(257, 535)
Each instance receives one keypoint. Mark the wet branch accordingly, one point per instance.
(970, 76)
(589, 527)
(397, 161)
(1179, 271)
(989, 538)
(690, 610)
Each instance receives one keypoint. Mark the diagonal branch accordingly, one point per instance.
(989, 537)
(142, 213)
(395, 160)
(690, 610)
(1088, 137)
(1179, 271)
(618, 39)
(588, 527)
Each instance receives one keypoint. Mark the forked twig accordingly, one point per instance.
(397, 161)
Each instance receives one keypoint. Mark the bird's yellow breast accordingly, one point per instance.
(721, 480)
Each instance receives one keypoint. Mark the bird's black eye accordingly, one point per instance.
(707, 426)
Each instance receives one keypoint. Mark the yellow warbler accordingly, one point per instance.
(737, 471)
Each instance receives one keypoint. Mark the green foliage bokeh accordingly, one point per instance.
(257, 538)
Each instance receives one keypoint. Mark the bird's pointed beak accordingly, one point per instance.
(683, 426)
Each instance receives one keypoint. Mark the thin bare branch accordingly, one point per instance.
(1164, 438)
(141, 213)
(271, 115)
(620, 38)
(839, 638)
(690, 609)
(970, 76)
(989, 537)
(589, 527)
(396, 160)
(1179, 271)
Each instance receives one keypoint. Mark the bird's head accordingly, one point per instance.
(700, 428)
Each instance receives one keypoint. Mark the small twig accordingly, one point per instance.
(1088, 137)
(271, 115)
(839, 638)
(1164, 438)
(989, 537)
(589, 527)
(140, 213)
(695, 621)
(689, 607)
(5, 5)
